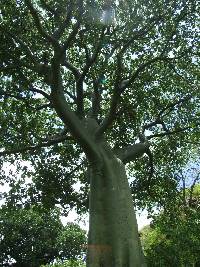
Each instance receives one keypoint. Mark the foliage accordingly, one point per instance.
(173, 240)
(32, 236)
(69, 263)
(74, 73)
(71, 243)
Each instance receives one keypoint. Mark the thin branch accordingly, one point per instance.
(151, 167)
(71, 37)
(24, 46)
(75, 169)
(44, 106)
(192, 188)
(75, 29)
(183, 188)
(38, 25)
(126, 83)
(193, 143)
(42, 69)
(169, 133)
(141, 33)
(36, 147)
(39, 91)
(79, 82)
(94, 57)
(33, 88)
(187, 80)
(171, 106)
(111, 115)
(49, 8)
(59, 32)
(25, 99)
(7, 68)
(151, 124)
(73, 97)
(79, 98)
(17, 97)
(141, 68)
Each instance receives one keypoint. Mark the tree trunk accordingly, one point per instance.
(113, 239)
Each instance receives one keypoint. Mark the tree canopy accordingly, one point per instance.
(140, 74)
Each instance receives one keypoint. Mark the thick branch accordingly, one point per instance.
(111, 114)
(79, 98)
(132, 152)
(72, 68)
(75, 126)
(96, 99)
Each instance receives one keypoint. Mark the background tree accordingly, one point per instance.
(94, 85)
(34, 236)
(71, 243)
(172, 239)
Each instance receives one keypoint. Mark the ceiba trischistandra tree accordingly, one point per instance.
(100, 74)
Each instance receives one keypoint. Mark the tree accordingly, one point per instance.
(96, 85)
(172, 239)
(34, 236)
(71, 242)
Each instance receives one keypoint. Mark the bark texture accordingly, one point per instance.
(113, 236)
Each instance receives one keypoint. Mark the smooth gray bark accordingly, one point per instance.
(113, 234)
